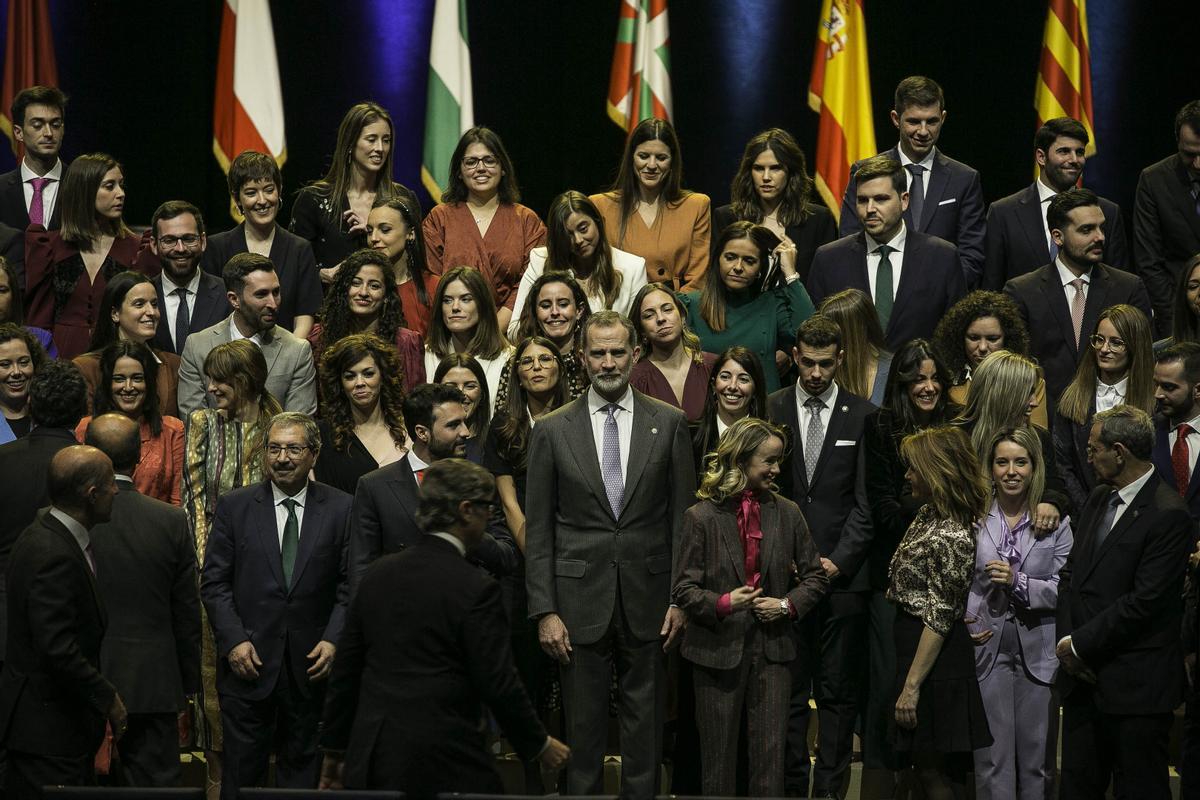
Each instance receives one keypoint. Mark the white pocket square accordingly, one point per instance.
(948, 202)
(845, 443)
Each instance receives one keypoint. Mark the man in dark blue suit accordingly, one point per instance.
(274, 585)
(948, 202)
(913, 277)
(189, 299)
(1177, 424)
(1018, 234)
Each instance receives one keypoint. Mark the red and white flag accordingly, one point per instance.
(248, 106)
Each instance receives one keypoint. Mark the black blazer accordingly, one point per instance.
(12, 247)
(299, 283)
(23, 466)
(893, 506)
(1043, 304)
(835, 504)
(1166, 232)
(1070, 454)
(212, 306)
(1122, 605)
(1016, 237)
(385, 521)
(13, 212)
(411, 680)
(53, 698)
(820, 228)
(953, 210)
(1161, 456)
(931, 281)
(243, 590)
(146, 573)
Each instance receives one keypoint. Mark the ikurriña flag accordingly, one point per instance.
(639, 86)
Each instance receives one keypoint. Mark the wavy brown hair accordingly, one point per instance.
(723, 477)
(529, 325)
(714, 295)
(689, 338)
(795, 205)
(241, 364)
(511, 422)
(337, 320)
(343, 355)
(487, 341)
(946, 461)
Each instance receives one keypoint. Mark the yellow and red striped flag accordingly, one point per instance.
(840, 91)
(248, 102)
(640, 84)
(1064, 81)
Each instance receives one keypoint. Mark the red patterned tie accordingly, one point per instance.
(1179, 458)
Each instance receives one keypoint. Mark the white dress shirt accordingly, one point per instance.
(171, 300)
(1129, 492)
(1066, 276)
(49, 191)
(82, 537)
(1045, 195)
(804, 414)
(624, 417)
(1193, 441)
(926, 162)
(896, 258)
(281, 513)
(1110, 396)
(414, 461)
(235, 334)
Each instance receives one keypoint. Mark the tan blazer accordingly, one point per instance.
(676, 246)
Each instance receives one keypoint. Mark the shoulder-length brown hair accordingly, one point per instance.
(947, 463)
(487, 341)
(337, 179)
(456, 188)
(690, 340)
(626, 187)
(706, 436)
(341, 356)
(1133, 327)
(600, 277)
(795, 206)
(511, 423)
(242, 365)
(862, 338)
(81, 225)
(714, 294)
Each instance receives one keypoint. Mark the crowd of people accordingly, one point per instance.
(358, 495)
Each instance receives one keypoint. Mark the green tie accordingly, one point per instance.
(291, 541)
(883, 286)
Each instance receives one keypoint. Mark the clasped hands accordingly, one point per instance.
(244, 661)
(747, 598)
(1072, 663)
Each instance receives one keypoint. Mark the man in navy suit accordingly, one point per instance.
(1018, 234)
(1061, 302)
(913, 277)
(274, 585)
(189, 299)
(948, 202)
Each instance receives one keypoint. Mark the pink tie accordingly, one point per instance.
(1077, 304)
(37, 210)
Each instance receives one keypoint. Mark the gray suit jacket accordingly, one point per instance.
(575, 550)
(291, 377)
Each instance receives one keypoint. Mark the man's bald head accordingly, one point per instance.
(74, 472)
(119, 438)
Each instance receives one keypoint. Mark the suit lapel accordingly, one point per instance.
(731, 539)
(1057, 301)
(1097, 299)
(769, 519)
(1030, 211)
(268, 530)
(404, 486)
(909, 278)
(583, 450)
(1140, 501)
(1182, 190)
(1161, 455)
(79, 555)
(314, 506)
(271, 348)
(643, 441)
(939, 179)
(796, 476)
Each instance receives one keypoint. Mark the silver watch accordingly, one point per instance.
(785, 606)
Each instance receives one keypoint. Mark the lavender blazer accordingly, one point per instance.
(1041, 560)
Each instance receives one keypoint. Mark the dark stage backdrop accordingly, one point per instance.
(140, 77)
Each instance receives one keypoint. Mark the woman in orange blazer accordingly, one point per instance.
(747, 568)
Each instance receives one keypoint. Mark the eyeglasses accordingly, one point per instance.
(471, 162)
(1114, 344)
(293, 450)
(188, 239)
(544, 360)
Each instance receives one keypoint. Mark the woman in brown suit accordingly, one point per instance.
(747, 569)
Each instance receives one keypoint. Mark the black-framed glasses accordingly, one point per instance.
(293, 450)
(488, 162)
(188, 239)
(1114, 344)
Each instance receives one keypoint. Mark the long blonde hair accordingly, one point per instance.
(1132, 326)
(946, 461)
(1026, 439)
(723, 477)
(862, 338)
(1000, 389)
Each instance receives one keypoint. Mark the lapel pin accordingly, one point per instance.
(845, 408)
(654, 430)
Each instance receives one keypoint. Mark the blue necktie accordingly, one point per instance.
(610, 462)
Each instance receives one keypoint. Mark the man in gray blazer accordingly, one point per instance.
(253, 290)
(613, 475)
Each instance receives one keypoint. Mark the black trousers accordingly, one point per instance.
(1189, 758)
(1128, 750)
(285, 722)
(149, 751)
(829, 666)
(29, 772)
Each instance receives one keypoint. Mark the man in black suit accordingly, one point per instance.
(146, 572)
(412, 678)
(54, 701)
(1061, 301)
(1018, 231)
(948, 202)
(274, 585)
(179, 241)
(57, 401)
(29, 194)
(921, 273)
(1166, 216)
(386, 502)
(1177, 423)
(825, 476)
(1120, 607)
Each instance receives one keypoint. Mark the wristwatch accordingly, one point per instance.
(785, 606)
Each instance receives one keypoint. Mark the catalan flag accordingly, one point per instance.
(1064, 82)
(840, 91)
(640, 84)
(450, 108)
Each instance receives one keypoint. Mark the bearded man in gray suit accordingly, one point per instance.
(613, 475)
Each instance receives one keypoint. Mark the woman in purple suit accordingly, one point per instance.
(1011, 616)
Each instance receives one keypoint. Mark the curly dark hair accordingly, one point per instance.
(337, 321)
(343, 355)
(102, 397)
(58, 395)
(952, 330)
(511, 422)
(11, 330)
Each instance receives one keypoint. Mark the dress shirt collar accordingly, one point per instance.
(1066, 276)
(926, 162)
(414, 461)
(235, 334)
(454, 540)
(596, 403)
(123, 481)
(1129, 492)
(279, 495)
(1045, 193)
(828, 397)
(55, 173)
(82, 537)
(1116, 390)
(192, 286)
(897, 242)
(1194, 423)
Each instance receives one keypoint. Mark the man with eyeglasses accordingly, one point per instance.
(190, 299)
(1061, 301)
(275, 587)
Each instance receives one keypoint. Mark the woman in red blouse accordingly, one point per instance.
(66, 270)
(480, 222)
(394, 227)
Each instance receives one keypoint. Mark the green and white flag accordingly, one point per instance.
(449, 109)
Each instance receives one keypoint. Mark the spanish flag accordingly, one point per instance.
(1064, 82)
(840, 91)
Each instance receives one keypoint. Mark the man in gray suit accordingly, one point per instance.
(613, 475)
(146, 573)
(253, 290)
